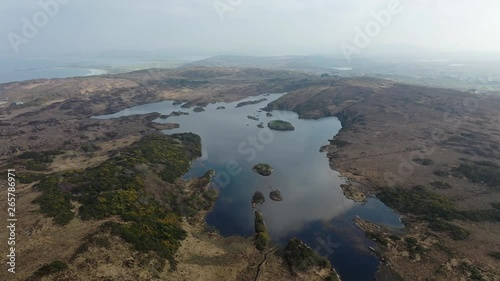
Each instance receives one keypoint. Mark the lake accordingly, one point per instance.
(314, 208)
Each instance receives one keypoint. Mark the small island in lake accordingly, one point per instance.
(220, 107)
(175, 113)
(263, 169)
(280, 125)
(258, 199)
(198, 109)
(275, 195)
(260, 125)
(253, 118)
(250, 102)
(269, 114)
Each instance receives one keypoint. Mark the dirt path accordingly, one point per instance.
(262, 262)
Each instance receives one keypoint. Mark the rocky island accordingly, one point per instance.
(250, 102)
(198, 109)
(263, 169)
(280, 125)
(258, 199)
(175, 113)
(275, 195)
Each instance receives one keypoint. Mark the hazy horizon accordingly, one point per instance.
(239, 27)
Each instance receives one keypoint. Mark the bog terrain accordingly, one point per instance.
(105, 199)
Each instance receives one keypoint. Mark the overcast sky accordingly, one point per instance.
(253, 27)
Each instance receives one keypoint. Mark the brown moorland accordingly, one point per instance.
(432, 154)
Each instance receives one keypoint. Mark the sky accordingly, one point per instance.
(247, 27)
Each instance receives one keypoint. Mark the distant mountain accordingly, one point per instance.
(304, 63)
(400, 63)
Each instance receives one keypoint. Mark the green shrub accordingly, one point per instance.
(431, 206)
(411, 240)
(33, 165)
(258, 198)
(261, 240)
(111, 134)
(117, 188)
(280, 125)
(300, 257)
(27, 178)
(418, 202)
(42, 156)
(89, 147)
(455, 232)
(48, 269)
(440, 185)
(480, 172)
(261, 237)
(435, 209)
(414, 247)
(160, 237)
(53, 202)
(38, 161)
(495, 255)
(377, 237)
(189, 203)
(492, 215)
(339, 143)
(473, 271)
(487, 164)
(424, 162)
(442, 174)
(259, 223)
(395, 237)
(332, 277)
(102, 242)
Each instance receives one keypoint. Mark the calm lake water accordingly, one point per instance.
(314, 208)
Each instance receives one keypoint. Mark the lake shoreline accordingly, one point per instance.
(213, 108)
(352, 153)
